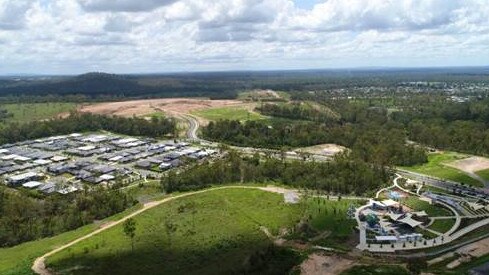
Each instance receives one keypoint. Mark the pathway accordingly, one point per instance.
(444, 238)
(39, 266)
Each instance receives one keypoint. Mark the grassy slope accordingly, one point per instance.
(231, 113)
(26, 112)
(226, 226)
(18, 260)
(435, 168)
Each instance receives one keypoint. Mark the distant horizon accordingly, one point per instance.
(339, 69)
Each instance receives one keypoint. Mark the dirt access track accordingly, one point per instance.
(144, 107)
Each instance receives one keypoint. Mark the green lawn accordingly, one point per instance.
(432, 210)
(26, 112)
(442, 226)
(435, 167)
(18, 260)
(483, 174)
(231, 113)
(217, 238)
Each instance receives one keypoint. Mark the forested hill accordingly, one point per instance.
(111, 85)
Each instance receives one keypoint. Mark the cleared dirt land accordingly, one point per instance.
(324, 264)
(471, 164)
(171, 106)
(328, 150)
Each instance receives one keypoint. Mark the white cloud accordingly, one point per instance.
(123, 5)
(13, 13)
(73, 36)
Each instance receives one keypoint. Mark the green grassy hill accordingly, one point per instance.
(216, 232)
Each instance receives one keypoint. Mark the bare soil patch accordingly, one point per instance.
(144, 107)
(319, 263)
(323, 149)
(471, 164)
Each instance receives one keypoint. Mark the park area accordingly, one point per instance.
(440, 165)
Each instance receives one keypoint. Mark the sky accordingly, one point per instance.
(143, 36)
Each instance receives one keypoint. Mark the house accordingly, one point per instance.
(126, 159)
(57, 169)
(23, 178)
(47, 188)
(172, 156)
(58, 158)
(42, 162)
(165, 166)
(67, 189)
(143, 164)
(106, 177)
(93, 180)
(175, 163)
(102, 169)
(83, 174)
(32, 184)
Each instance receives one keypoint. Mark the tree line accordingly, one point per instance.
(462, 127)
(371, 142)
(344, 175)
(297, 110)
(25, 218)
(83, 122)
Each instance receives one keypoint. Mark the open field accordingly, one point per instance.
(222, 224)
(26, 112)
(18, 260)
(171, 106)
(437, 167)
(231, 113)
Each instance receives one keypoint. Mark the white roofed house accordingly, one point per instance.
(23, 178)
(32, 184)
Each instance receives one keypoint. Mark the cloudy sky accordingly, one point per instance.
(131, 36)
